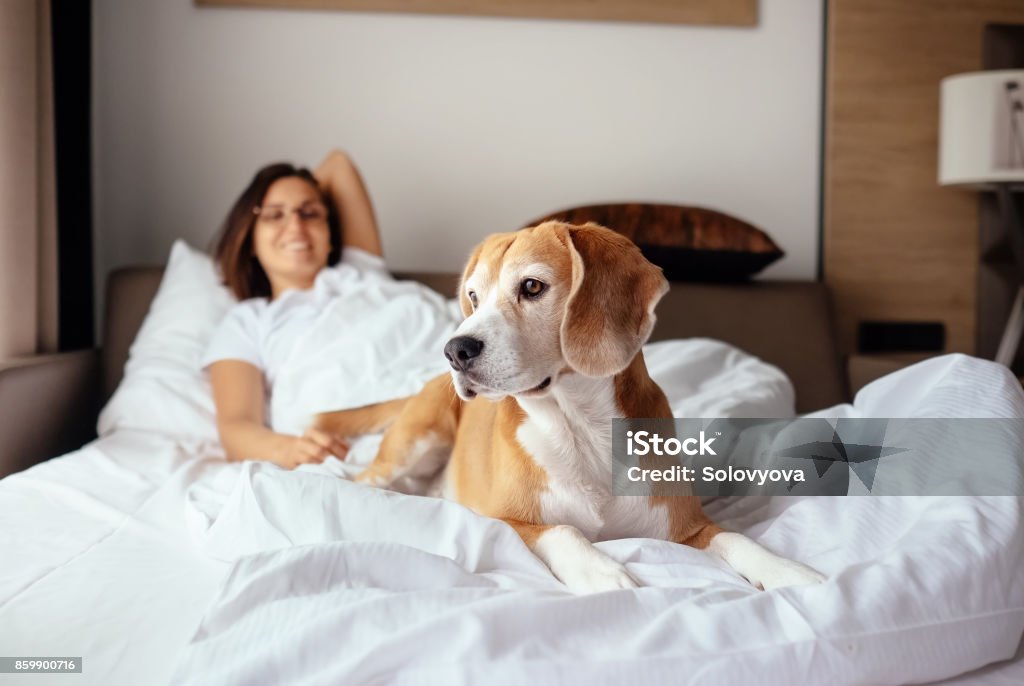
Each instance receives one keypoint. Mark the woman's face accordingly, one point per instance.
(291, 238)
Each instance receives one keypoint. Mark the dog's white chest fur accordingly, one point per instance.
(569, 434)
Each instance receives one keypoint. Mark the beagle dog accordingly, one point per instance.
(521, 429)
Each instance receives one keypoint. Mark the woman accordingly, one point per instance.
(287, 226)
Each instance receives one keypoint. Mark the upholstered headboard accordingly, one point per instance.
(785, 323)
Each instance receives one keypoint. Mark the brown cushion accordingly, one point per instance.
(688, 243)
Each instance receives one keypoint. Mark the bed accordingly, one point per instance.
(155, 561)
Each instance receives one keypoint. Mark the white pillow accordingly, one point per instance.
(707, 378)
(163, 389)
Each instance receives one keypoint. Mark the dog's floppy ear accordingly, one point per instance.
(610, 310)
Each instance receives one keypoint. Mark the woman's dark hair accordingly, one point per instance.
(233, 248)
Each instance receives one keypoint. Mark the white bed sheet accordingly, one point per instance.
(98, 562)
(146, 554)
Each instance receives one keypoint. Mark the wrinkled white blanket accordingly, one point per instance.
(337, 583)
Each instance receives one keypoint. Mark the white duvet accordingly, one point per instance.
(157, 562)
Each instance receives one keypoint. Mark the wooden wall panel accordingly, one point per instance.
(897, 246)
(721, 12)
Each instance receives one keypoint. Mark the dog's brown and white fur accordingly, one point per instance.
(549, 353)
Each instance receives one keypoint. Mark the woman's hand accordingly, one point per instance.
(240, 398)
(312, 447)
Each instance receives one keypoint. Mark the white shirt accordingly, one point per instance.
(263, 332)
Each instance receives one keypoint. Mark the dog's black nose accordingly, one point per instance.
(461, 350)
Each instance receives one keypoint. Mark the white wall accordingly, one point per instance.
(462, 126)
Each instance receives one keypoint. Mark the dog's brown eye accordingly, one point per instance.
(472, 298)
(531, 288)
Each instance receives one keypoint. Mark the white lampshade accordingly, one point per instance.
(981, 129)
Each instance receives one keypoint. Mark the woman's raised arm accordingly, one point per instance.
(338, 175)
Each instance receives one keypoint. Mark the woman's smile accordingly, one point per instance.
(298, 246)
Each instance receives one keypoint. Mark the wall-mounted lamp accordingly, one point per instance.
(981, 147)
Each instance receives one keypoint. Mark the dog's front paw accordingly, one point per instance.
(761, 567)
(578, 564)
(603, 575)
(787, 573)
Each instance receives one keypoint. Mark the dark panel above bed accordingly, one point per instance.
(688, 243)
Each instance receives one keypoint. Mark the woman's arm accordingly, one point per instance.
(338, 175)
(240, 400)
